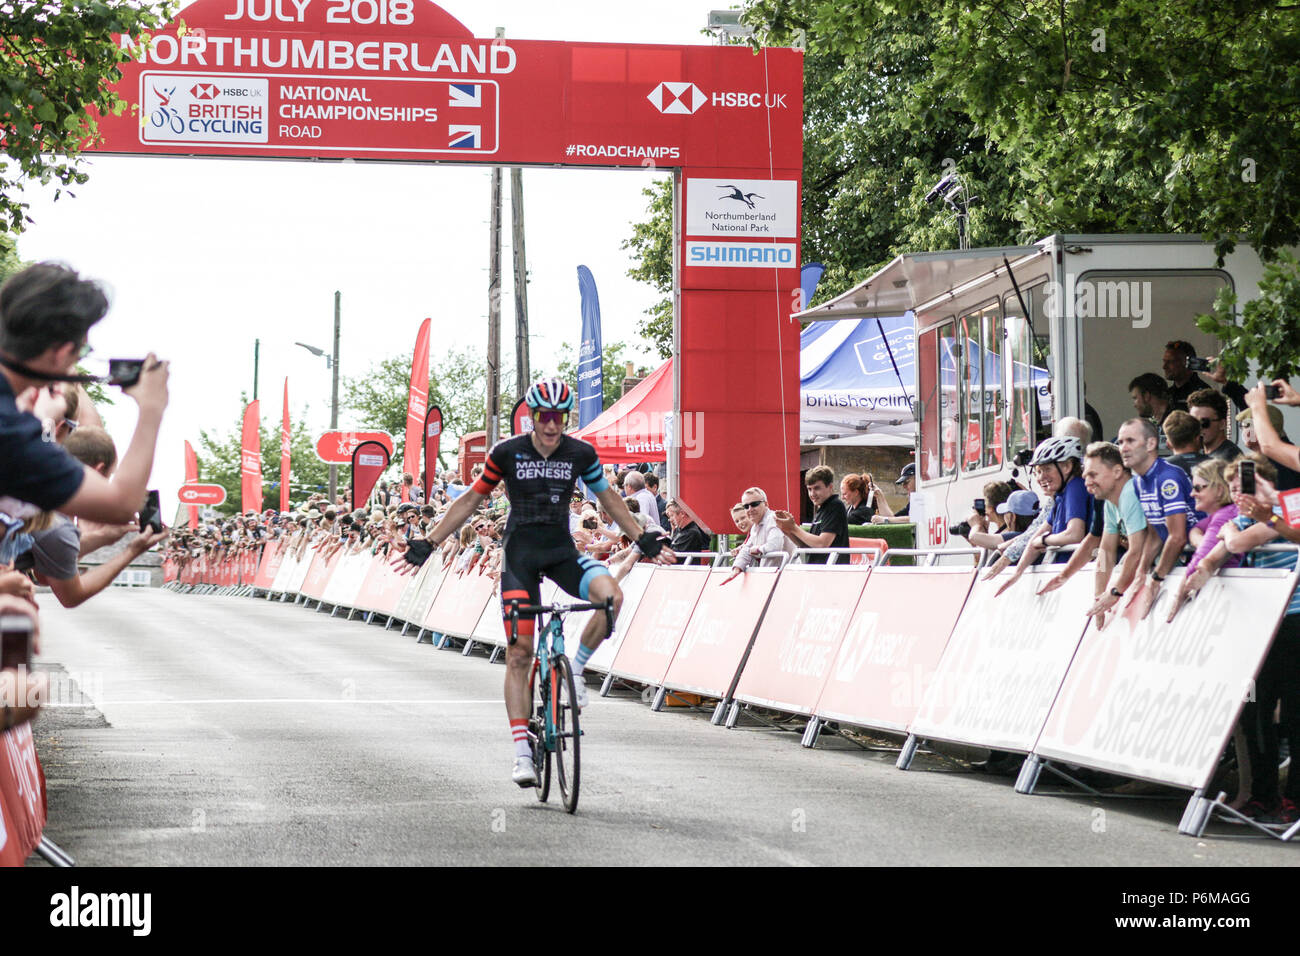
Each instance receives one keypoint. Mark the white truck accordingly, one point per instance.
(1011, 339)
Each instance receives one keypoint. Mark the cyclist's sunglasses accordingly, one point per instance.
(550, 416)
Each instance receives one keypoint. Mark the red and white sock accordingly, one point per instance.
(519, 733)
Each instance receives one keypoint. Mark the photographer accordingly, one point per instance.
(46, 312)
(1271, 443)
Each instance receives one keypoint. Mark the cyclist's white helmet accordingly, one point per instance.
(550, 393)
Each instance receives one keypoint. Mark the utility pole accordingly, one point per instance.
(494, 313)
(522, 375)
(334, 394)
(257, 345)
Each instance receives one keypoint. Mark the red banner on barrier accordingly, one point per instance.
(799, 637)
(719, 633)
(459, 603)
(653, 635)
(22, 796)
(893, 645)
(272, 559)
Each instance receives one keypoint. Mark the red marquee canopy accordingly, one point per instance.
(632, 429)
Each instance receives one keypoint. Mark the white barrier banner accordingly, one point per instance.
(283, 577)
(345, 583)
(413, 584)
(1005, 662)
(1158, 701)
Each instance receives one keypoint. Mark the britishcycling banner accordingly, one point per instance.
(369, 461)
(284, 451)
(432, 439)
(192, 476)
(250, 484)
(417, 401)
(591, 390)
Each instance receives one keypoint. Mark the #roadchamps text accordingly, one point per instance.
(74, 908)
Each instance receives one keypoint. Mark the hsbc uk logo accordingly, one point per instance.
(205, 91)
(685, 98)
(677, 97)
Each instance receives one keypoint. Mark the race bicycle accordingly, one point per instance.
(553, 727)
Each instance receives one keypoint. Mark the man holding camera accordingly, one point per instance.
(46, 312)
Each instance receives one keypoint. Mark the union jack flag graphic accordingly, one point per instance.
(464, 137)
(466, 94)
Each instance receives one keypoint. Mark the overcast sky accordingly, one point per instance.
(205, 256)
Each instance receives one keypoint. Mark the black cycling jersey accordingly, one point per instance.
(540, 488)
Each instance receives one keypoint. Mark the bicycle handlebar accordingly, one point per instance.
(561, 609)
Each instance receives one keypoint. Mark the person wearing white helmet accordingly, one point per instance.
(1058, 469)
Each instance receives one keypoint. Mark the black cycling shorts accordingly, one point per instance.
(528, 553)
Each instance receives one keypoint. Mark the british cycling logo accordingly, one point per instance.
(227, 110)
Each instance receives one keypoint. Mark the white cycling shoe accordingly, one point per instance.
(524, 774)
(579, 692)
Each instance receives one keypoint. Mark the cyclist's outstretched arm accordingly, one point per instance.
(456, 515)
(617, 508)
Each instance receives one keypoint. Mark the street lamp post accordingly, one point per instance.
(332, 363)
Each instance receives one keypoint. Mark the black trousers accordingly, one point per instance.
(1278, 680)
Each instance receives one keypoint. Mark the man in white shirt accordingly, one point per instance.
(634, 487)
(764, 537)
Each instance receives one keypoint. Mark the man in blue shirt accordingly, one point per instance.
(1166, 496)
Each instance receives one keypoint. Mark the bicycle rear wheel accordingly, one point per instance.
(537, 734)
(567, 745)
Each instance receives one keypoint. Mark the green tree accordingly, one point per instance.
(1269, 325)
(457, 385)
(1112, 115)
(58, 59)
(613, 370)
(219, 455)
(651, 245)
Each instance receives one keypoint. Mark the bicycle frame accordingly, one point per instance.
(550, 642)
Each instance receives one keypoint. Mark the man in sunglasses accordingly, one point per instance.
(541, 468)
(1210, 409)
(764, 537)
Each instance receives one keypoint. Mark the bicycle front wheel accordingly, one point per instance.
(568, 735)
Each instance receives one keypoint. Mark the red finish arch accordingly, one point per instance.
(401, 80)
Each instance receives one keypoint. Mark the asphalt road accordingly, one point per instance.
(240, 732)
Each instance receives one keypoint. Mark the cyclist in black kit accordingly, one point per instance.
(540, 470)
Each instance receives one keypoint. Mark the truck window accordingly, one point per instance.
(938, 393)
(1029, 343)
(970, 353)
(949, 398)
(994, 402)
(1126, 317)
